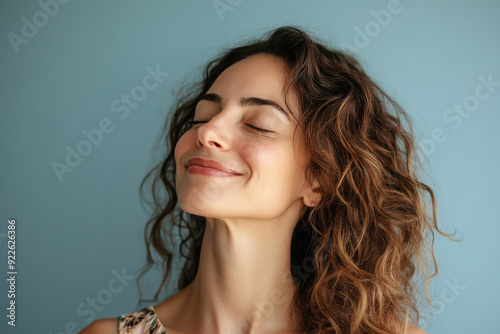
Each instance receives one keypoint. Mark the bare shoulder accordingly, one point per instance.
(104, 326)
(416, 330)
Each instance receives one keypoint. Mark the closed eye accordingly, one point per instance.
(253, 127)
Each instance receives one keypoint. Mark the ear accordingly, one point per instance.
(312, 195)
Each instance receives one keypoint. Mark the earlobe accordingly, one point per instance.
(313, 195)
(313, 198)
(312, 202)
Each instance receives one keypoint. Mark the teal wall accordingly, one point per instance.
(63, 75)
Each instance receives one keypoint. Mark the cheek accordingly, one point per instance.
(272, 164)
(182, 145)
(286, 170)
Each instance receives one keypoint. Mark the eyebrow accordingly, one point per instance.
(247, 101)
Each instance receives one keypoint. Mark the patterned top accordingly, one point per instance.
(144, 321)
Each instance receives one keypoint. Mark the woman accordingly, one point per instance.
(294, 175)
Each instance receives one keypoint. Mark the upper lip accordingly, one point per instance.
(211, 164)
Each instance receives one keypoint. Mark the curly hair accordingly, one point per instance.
(371, 235)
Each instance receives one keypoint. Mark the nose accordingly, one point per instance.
(215, 132)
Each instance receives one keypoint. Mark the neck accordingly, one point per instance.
(244, 282)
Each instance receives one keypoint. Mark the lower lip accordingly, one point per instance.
(195, 169)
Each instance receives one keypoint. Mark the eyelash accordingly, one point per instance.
(253, 127)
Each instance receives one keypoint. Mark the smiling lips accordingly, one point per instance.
(209, 168)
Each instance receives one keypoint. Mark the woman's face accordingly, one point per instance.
(270, 166)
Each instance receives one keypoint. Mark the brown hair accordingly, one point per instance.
(371, 233)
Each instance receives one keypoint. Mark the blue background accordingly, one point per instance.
(73, 236)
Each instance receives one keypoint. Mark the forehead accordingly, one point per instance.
(258, 65)
(260, 75)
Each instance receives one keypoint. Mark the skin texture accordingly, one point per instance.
(245, 256)
(244, 283)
